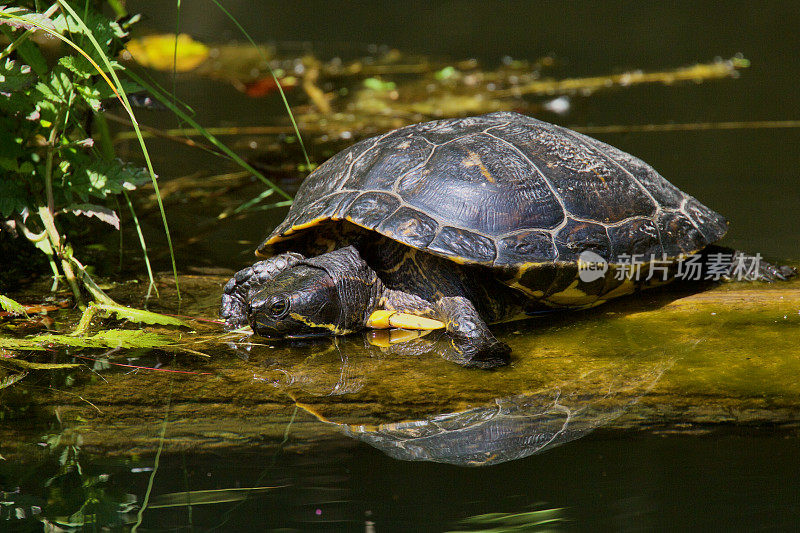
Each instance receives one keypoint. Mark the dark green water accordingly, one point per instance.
(629, 482)
(694, 414)
(749, 175)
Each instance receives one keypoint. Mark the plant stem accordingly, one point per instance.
(107, 149)
(42, 243)
(48, 173)
(55, 241)
(96, 292)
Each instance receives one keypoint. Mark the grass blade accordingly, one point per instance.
(205, 497)
(161, 97)
(120, 91)
(274, 78)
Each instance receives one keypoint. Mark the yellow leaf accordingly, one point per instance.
(158, 52)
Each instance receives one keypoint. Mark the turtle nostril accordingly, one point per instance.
(254, 307)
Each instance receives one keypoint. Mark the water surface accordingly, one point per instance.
(674, 411)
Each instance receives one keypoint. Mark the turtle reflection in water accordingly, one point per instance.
(510, 429)
(463, 222)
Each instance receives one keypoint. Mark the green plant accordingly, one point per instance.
(55, 74)
(51, 162)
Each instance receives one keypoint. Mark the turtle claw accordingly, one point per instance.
(769, 272)
(473, 344)
(485, 356)
(763, 271)
(233, 309)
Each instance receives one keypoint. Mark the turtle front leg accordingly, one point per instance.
(237, 292)
(474, 344)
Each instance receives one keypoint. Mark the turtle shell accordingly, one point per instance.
(502, 190)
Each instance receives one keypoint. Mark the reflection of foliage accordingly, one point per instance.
(75, 499)
(542, 520)
(72, 499)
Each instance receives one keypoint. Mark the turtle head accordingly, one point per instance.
(333, 293)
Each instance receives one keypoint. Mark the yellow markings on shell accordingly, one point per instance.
(515, 282)
(571, 296)
(460, 260)
(408, 255)
(627, 287)
(291, 231)
(308, 224)
(474, 160)
(384, 319)
(520, 287)
(525, 267)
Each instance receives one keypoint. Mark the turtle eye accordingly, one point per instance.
(278, 307)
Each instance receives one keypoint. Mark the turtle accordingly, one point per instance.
(460, 223)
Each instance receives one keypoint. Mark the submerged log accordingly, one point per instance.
(672, 360)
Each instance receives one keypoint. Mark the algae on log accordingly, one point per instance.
(665, 360)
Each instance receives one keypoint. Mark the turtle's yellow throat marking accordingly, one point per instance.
(336, 330)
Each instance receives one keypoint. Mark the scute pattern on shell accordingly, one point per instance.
(502, 190)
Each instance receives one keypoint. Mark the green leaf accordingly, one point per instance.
(113, 338)
(140, 316)
(11, 343)
(91, 96)
(13, 197)
(128, 338)
(101, 178)
(38, 366)
(512, 521)
(48, 93)
(6, 380)
(104, 214)
(17, 104)
(60, 83)
(15, 76)
(78, 65)
(10, 140)
(107, 32)
(11, 306)
(31, 54)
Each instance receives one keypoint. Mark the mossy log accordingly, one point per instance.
(674, 359)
